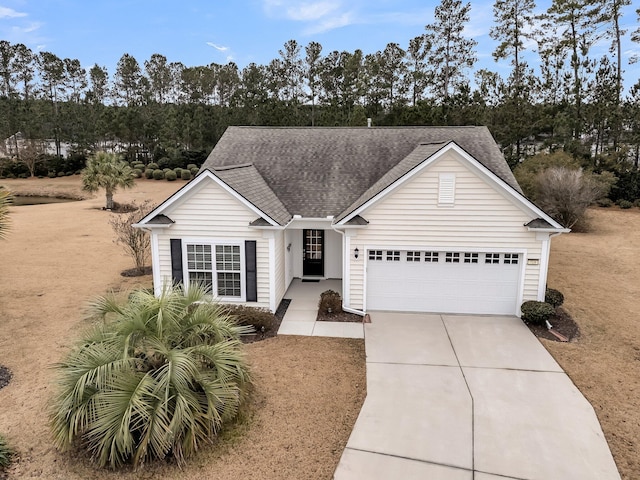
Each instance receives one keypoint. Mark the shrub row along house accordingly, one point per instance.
(411, 219)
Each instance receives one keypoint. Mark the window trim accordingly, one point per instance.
(213, 242)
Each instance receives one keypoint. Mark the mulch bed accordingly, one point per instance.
(338, 317)
(5, 376)
(280, 311)
(561, 322)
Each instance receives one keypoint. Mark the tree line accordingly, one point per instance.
(571, 101)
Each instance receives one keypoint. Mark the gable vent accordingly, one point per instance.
(447, 189)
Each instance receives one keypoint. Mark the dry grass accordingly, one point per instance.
(308, 391)
(599, 274)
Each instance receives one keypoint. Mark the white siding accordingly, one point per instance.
(280, 252)
(482, 218)
(208, 212)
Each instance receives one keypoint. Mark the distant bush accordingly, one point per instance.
(604, 202)
(51, 175)
(185, 174)
(194, 171)
(137, 172)
(178, 171)
(330, 302)
(61, 174)
(139, 165)
(554, 297)
(170, 175)
(148, 173)
(153, 166)
(261, 319)
(536, 312)
(191, 166)
(158, 175)
(625, 204)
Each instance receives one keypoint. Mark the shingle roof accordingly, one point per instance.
(247, 181)
(319, 171)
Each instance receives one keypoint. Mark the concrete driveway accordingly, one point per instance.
(469, 397)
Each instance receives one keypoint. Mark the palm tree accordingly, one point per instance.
(157, 377)
(106, 170)
(5, 200)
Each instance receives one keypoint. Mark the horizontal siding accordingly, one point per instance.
(279, 267)
(209, 212)
(481, 218)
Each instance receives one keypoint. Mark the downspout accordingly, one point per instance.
(545, 267)
(346, 271)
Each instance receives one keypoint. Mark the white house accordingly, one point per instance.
(411, 219)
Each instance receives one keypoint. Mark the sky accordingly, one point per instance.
(199, 32)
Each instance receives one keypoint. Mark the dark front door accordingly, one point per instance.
(313, 260)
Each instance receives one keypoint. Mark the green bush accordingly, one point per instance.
(148, 173)
(191, 166)
(261, 319)
(51, 175)
(185, 174)
(636, 202)
(625, 204)
(68, 174)
(137, 172)
(153, 166)
(165, 170)
(61, 174)
(330, 302)
(158, 175)
(5, 454)
(536, 312)
(139, 165)
(170, 175)
(604, 202)
(178, 171)
(194, 171)
(154, 379)
(554, 297)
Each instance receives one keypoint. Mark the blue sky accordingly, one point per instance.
(198, 32)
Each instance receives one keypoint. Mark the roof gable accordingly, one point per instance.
(321, 172)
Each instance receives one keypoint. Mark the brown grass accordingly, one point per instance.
(308, 391)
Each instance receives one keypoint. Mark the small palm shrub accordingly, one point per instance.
(185, 174)
(157, 378)
(330, 302)
(158, 174)
(536, 312)
(554, 297)
(5, 454)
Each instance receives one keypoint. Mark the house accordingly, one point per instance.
(411, 219)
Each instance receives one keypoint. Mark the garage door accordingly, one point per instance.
(445, 282)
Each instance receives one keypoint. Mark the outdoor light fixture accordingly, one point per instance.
(356, 252)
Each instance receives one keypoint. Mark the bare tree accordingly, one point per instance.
(566, 193)
(135, 241)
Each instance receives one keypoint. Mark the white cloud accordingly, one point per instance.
(6, 12)
(218, 47)
(331, 23)
(306, 12)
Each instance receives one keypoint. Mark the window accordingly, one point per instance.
(491, 258)
(393, 256)
(511, 258)
(451, 257)
(470, 258)
(375, 255)
(431, 257)
(413, 256)
(446, 189)
(200, 266)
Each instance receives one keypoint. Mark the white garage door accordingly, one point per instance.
(444, 282)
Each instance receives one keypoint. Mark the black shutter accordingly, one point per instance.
(176, 260)
(250, 270)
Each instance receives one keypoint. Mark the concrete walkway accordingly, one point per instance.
(469, 398)
(300, 318)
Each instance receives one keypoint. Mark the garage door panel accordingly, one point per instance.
(447, 287)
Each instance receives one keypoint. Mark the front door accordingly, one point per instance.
(313, 260)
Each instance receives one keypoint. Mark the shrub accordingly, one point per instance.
(261, 319)
(137, 172)
(5, 454)
(148, 174)
(194, 171)
(51, 174)
(604, 202)
(157, 378)
(153, 166)
(625, 204)
(636, 202)
(68, 174)
(554, 297)
(191, 166)
(536, 312)
(185, 174)
(330, 302)
(61, 174)
(135, 241)
(170, 175)
(158, 174)
(139, 165)
(178, 171)
(165, 170)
